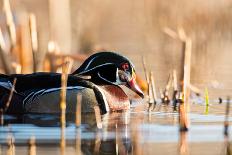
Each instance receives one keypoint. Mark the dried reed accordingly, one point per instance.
(183, 144)
(183, 118)
(10, 95)
(206, 102)
(98, 117)
(153, 95)
(78, 141)
(10, 22)
(64, 78)
(145, 71)
(34, 39)
(1, 117)
(226, 128)
(32, 146)
(78, 110)
(3, 56)
(11, 146)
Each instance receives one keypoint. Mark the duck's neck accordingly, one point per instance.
(116, 98)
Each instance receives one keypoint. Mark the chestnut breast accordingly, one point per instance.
(116, 97)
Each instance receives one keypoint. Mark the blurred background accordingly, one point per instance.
(41, 31)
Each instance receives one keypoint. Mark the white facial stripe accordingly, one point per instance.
(90, 62)
(95, 68)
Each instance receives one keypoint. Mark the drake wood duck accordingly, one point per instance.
(40, 92)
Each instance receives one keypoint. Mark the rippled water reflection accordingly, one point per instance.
(132, 132)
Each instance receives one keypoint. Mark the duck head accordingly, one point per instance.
(110, 68)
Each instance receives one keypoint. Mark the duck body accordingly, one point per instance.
(40, 92)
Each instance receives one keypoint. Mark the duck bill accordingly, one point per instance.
(132, 84)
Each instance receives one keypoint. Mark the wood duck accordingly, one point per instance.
(40, 92)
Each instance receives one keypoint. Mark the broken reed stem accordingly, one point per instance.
(10, 22)
(183, 145)
(32, 146)
(62, 141)
(78, 141)
(169, 82)
(175, 87)
(11, 146)
(175, 91)
(152, 92)
(145, 72)
(187, 70)
(150, 98)
(98, 117)
(34, 39)
(78, 110)
(71, 62)
(153, 86)
(3, 56)
(64, 78)
(206, 101)
(187, 46)
(226, 128)
(183, 119)
(1, 117)
(226, 122)
(10, 95)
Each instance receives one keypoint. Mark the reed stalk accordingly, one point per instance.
(64, 78)
(34, 39)
(98, 117)
(1, 117)
(153, 88)
(145, 72)
(78, 110)
(10, 22)
(183, 144)
(10, 95)
(175, 91)
(3, 56)
(78, 141)
(226, 128)
(206, 102)
(11, 146)
(32, 146)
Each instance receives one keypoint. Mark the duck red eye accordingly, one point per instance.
(125, 66)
